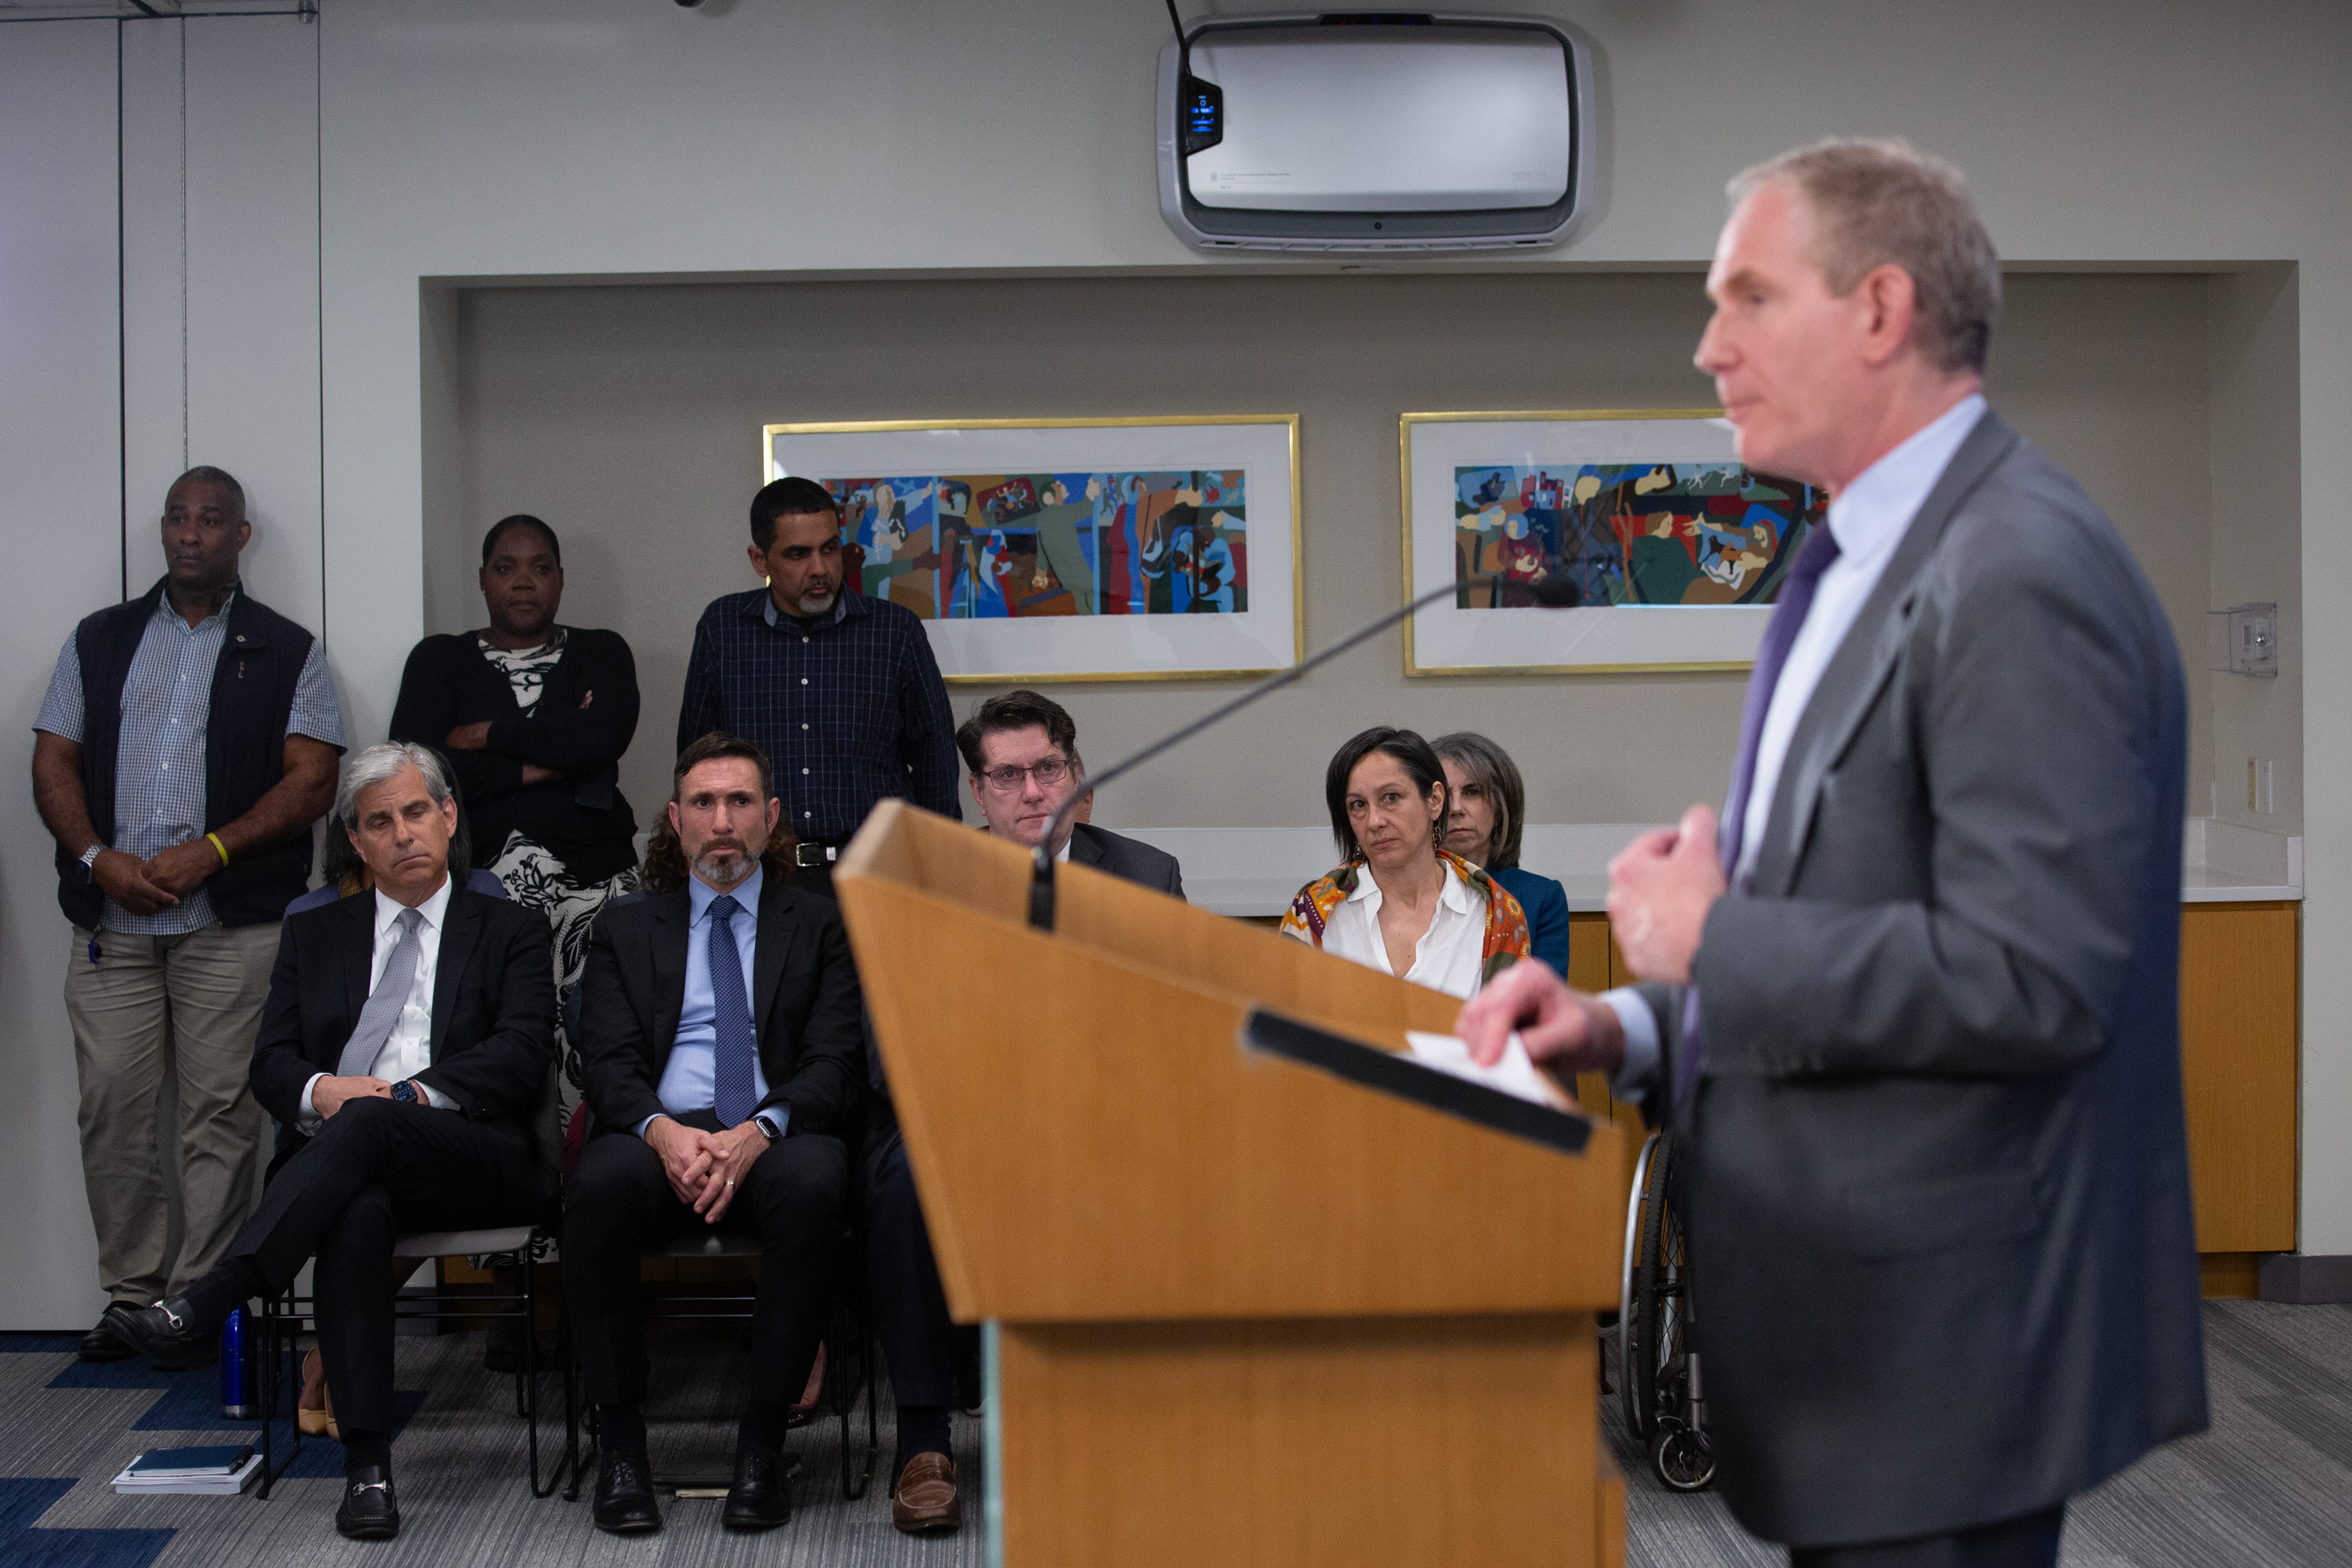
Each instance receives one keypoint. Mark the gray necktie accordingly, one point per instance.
(384, 1002)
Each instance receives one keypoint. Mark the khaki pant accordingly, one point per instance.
(187, 1005)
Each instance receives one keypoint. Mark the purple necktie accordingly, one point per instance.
(1821, 548)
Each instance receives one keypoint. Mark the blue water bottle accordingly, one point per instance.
(240, 1364)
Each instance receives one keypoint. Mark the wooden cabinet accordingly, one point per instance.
(2238, 1010)
(2238, 1048)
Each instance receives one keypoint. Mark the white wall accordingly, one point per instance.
(63, 523)
(624, 414)
(221, 286)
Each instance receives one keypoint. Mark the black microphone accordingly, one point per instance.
(1555, 593)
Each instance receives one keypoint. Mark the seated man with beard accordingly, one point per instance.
(720, 1038)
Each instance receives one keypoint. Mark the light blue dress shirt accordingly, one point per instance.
(1868, 519)
(159, 775)
(690, 1080)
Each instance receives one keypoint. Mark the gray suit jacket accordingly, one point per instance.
(1936, 1171)
(1128, 858)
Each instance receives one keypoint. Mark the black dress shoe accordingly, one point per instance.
(368, 1512)
(167, 1334)
(105, 1343)
(760, 1497)
(625, 1495)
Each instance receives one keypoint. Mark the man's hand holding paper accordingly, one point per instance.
(1565, 1029)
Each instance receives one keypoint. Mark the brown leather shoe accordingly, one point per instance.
(925, 1498)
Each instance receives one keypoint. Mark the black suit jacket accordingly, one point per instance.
(805, 1006)
(1935, 1165)
(493, 1010)
(1128, 858)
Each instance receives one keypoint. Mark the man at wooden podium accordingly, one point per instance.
(1913, 1007)
(1022, 751)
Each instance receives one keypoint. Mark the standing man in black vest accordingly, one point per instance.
(187, 742)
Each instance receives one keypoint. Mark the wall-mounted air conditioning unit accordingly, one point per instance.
(1375, 132)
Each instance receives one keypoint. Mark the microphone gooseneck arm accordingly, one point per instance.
(1041, 880)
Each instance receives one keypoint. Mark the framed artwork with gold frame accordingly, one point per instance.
(1671, 552)
(1035, 550)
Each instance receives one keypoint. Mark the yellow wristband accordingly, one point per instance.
(213, 839)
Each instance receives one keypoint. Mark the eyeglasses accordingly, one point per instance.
(1007, 778)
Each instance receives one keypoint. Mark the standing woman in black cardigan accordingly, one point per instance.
(533, 718)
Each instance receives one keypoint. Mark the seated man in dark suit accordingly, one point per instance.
(404, 1052)
(720, 1039)
(1022, 753)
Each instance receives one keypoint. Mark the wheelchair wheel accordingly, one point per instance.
(1637, 1418)
(1655, 1331)
(1682, 1457)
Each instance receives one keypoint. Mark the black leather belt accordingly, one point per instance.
(815, 854)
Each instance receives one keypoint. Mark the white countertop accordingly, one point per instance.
(1257, 871)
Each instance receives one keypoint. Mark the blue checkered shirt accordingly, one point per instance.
(159, 774)
(849, 708)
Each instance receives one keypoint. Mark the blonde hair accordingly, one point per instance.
(1882, 202)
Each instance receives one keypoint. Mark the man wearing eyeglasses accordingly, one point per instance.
(1022, 753)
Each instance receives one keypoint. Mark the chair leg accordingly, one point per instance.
(527, 1390)
(854, 1486)
(277, 1329)
(574, 1458)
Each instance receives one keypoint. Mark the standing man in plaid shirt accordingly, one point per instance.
(841, 692)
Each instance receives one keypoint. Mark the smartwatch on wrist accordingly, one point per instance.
(89, 856)
(406, 1092)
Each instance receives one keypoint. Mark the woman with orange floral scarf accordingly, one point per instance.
(1400, 902)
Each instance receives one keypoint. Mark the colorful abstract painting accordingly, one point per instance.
(1626, 533)
(1071, 550)
(1002, 546)
(1604, 541)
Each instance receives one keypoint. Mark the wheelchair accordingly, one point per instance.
(1657, 1367)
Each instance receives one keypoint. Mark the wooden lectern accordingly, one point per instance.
(1246, 1312)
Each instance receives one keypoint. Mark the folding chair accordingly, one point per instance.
(284, 1318)
(840, 1392)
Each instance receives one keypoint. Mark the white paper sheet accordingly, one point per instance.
(1514, 1072)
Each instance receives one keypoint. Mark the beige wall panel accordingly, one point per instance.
(629, 418)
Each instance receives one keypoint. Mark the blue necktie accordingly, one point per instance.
(1796, 598)
(733, 1097)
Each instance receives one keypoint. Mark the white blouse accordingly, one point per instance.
(1447, 956)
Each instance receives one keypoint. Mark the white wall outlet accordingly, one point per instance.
(2262, 786)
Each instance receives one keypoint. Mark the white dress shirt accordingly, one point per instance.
(408, 1049)
(1868, 519)
(1447, 956)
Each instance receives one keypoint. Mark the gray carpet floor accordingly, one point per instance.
(2272, 1483)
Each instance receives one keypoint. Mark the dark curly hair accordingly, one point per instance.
(1413, 753)
(665, 869)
